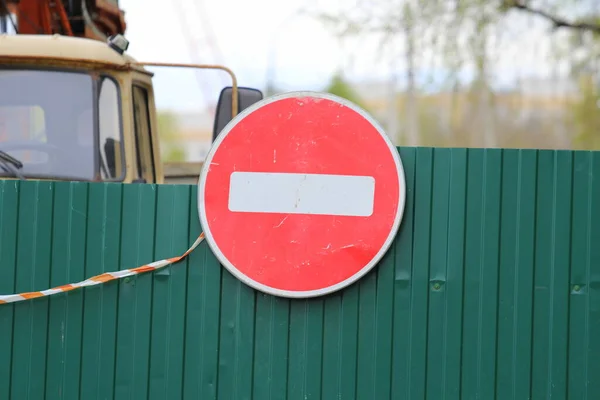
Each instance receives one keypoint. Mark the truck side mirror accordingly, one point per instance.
(246, 97)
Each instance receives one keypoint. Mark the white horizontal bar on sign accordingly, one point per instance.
(266, 192)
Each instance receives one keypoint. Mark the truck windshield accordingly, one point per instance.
(47, 123)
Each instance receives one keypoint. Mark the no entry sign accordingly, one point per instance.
(301, 194)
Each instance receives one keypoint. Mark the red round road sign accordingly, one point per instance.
(301, 194)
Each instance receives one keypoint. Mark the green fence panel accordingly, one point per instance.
(490, 291)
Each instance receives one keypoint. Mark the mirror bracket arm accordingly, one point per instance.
(234, 84)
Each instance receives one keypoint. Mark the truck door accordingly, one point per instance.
(143, 136)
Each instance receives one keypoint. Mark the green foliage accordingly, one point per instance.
(339, 87)
(175, 154)
(586, 115)
(167, 125)
(168, 129)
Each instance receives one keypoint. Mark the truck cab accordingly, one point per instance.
(81, 109)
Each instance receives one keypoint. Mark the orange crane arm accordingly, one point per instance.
(96, 19)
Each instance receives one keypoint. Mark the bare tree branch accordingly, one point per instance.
(556, 21)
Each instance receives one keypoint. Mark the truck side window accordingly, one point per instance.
(111, 160)
(143, 135)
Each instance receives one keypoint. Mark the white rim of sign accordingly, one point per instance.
(307, 293)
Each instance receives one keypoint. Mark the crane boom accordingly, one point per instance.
(94, 19)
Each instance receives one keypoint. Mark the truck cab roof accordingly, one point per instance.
(64, 48)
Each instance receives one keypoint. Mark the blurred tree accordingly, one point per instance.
(585, 115)
(587, 22)
(340, 87)
(167, 131)
(175, 154)
(466, 37)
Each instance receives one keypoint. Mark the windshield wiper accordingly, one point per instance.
(7, 157)
(11, 164)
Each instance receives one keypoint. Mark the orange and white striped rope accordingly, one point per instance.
(102, 278)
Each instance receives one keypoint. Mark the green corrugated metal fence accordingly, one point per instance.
(491, 291)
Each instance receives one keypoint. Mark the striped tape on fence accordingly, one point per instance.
(102, 278)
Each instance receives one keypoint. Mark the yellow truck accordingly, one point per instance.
(81, 109)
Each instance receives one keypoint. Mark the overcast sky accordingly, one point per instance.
(245, 34)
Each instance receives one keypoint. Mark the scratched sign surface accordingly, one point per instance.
(301, 194)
